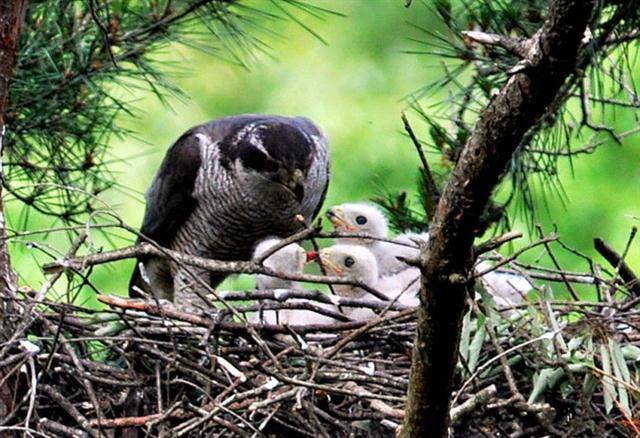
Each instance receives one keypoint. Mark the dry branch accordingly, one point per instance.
(617, 262)
(77, 264)
(206, 374)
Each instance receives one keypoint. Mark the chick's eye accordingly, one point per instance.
(361, 220)
(348, 262)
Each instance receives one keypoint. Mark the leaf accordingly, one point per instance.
(575, 343)
(547, 379)
(494, 371)
(465, 337)
(631, 352)
(476, 346)
(589, 385)
(555, 326)
(608, 389)
(621, 371)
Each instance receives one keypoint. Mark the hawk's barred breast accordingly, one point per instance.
(227, 184)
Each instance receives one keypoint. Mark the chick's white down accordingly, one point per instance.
(507, 289)
(287, 260)
(359, 264)
(369, 219)
(355, 263)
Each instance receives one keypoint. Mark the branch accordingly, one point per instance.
(169, 311)
(518, 46)
(431, 189)
(235, 267)
(497, 242)
(283, 295)
(448, 259)
(626, 273)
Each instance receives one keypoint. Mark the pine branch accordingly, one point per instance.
(486, 45)
(79, 63)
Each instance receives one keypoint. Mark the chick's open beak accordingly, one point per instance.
(311, 256)
(328, 264)
(337, 220)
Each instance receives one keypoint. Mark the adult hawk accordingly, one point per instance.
(224, 186)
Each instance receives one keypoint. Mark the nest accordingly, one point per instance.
(144, 368)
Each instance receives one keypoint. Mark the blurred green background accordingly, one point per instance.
(355, 87)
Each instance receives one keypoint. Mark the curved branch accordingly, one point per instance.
(448, 258)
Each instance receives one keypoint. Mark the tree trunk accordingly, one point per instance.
(11, 17)
(448, 259)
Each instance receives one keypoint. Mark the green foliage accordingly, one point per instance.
(605, 82)
(352, 88)
(80, 62)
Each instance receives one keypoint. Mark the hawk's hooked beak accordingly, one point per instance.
(294, 183)
(339, 223)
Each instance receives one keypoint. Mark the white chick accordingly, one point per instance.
(369, 219)
(359, 264)
(507, 289)
(287, 260)
(404, 284)
(355, 263)
(408, 245)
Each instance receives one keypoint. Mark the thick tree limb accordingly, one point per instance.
(448, 259)
(11, 15)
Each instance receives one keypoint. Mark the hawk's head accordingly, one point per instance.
(271, 150)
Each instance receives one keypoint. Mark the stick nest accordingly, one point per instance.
(143, 368)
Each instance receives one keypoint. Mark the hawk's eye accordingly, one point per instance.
(361, 220)
(348, 261)
(254, 158)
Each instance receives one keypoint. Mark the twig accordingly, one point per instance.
(553, 258)
(482, 397)
(431, 188)
(610, 255)
(497, 242)
(517, 46)
(235, 267)
(70, 409)
(358, 332)
(515, 255)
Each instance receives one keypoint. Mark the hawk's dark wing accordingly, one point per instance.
(170, 201)
(170, 198)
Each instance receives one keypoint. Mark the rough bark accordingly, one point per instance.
(447, 261)
(11, 16)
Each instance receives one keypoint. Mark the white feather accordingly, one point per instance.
(507, 289)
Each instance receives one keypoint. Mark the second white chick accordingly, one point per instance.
(404, 284)
(365, 218)
(287, 260)
(507, 289)
(355, 263)
(359, 264)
